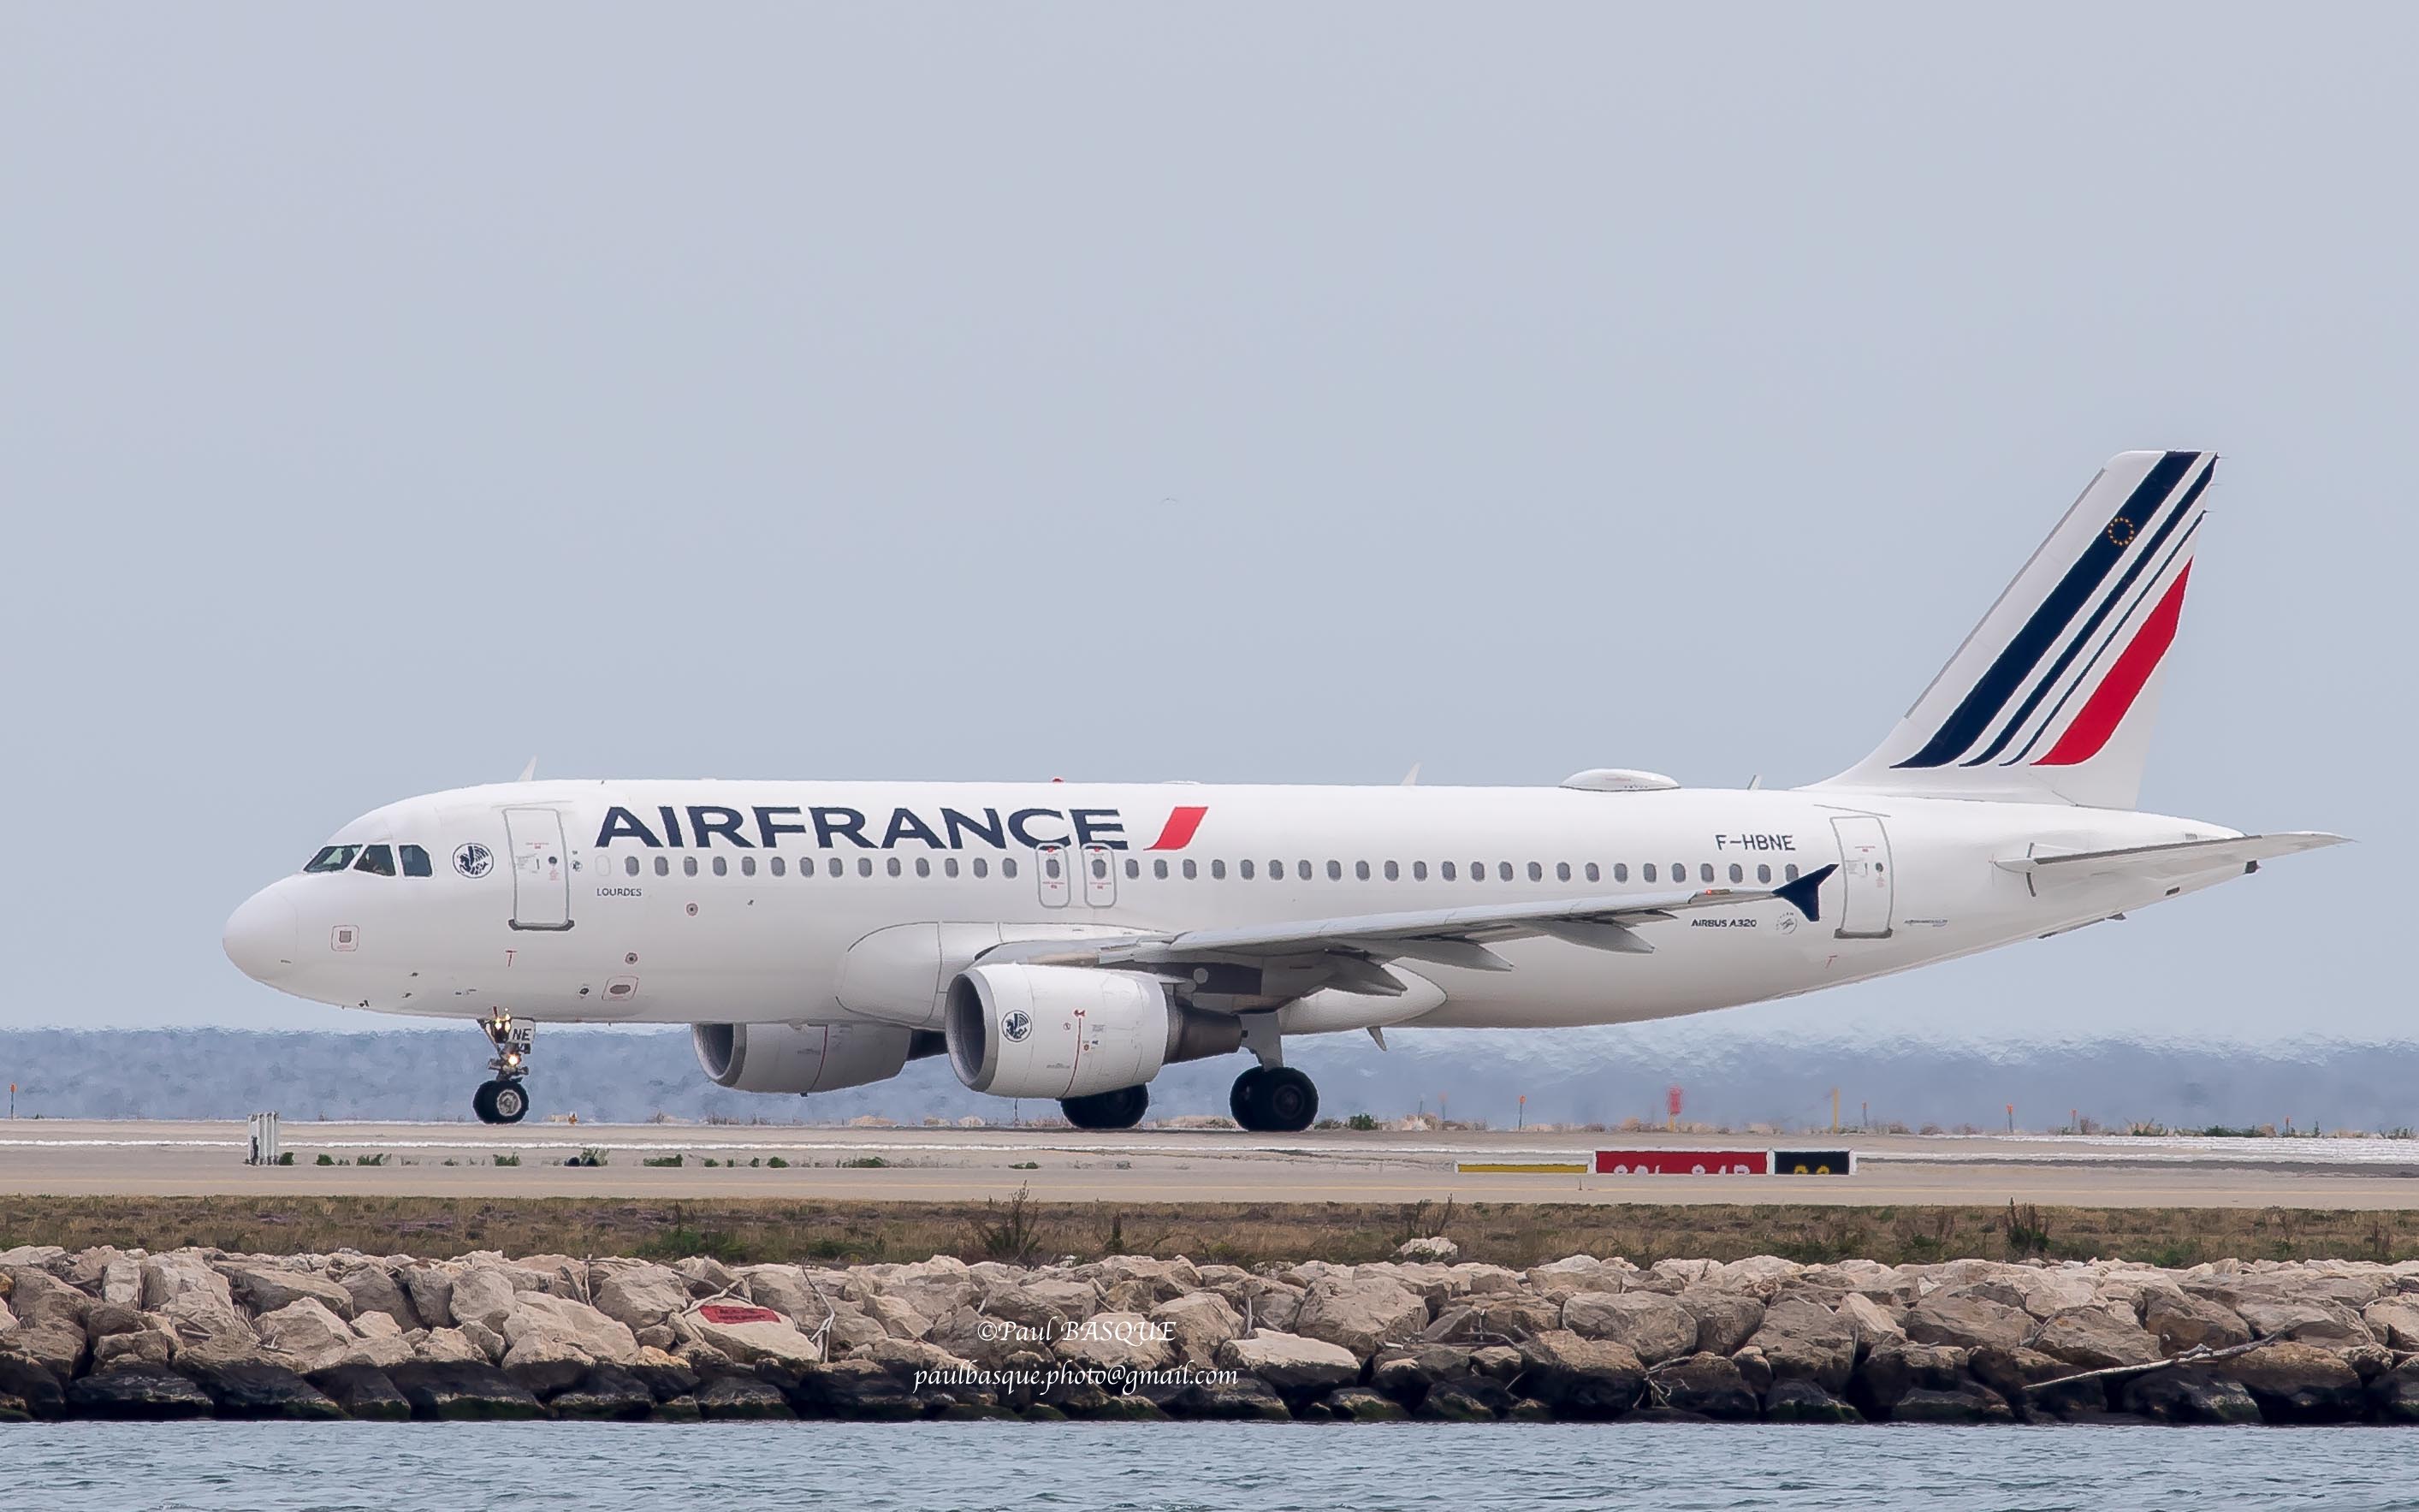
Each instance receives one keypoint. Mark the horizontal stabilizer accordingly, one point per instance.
(2170, 862)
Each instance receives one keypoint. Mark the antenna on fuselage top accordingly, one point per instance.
(1412, 777)
(528, 773)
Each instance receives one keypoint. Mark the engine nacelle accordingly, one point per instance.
(1017, 1031)
(810, 1057)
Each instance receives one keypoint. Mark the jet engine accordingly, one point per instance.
(805, 1058)
(1019, 1030)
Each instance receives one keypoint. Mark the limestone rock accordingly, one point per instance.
(1802, 1340)
(483, 1295)
(260, 1389)
(137, 1393)
(454, 1390)
(306, 1334)
(1725, 1320)
(2295, 1382)
(362, 1392)
(2091, 1340)
(1437, 1248)
(1968, 1321)
(260, 1289)
(1197, 1323)
(607, 1393)
(431, 1290)
(637, 1296)
(2394, 1321)
(1707, 1384)
(1579, 1376)
(29, 1381)
(1110, 1341)
(1291, 1364)
(1893, 1367)
(144, 1346)
(179, 1272)
(1793, 1400)
(1869, 1320)
(1361, 1316)
(2185, 1396)
(448, 1345)
(2312, 1321)
(1656, 1328)
(574, 1324)
(1359, 1404)
(2181, 1321)
(1971, 1402)
(748, 1341)
(488, 1341)
(374, 1290)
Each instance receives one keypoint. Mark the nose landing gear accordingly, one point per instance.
(504, 1100)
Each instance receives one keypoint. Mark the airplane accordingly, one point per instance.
(1069, 940)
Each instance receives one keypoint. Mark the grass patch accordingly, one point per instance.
(836, 1231)
(864, 1162)
(661, 1160)
(501, 1160)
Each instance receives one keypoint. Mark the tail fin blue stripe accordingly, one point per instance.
(1991, 693)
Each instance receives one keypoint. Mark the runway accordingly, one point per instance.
(188, 1159)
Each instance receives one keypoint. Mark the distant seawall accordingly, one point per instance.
(1597, 1075)
(117, 1334)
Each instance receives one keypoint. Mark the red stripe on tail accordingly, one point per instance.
(1182, 822)
(2108, 707)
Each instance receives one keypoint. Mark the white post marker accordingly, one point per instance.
(263, 1150)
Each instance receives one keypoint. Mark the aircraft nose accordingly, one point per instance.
(261, 936)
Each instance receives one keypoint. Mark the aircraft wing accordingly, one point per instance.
(2171, 862)
(1452, 936)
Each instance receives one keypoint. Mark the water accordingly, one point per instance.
(1179, 1466)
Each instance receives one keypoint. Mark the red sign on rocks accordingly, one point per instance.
(724, 1312)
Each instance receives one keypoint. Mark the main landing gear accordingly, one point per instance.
(1120, 1109)
(504, 1100)
(1275, 1100)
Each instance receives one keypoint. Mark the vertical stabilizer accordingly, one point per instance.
(2052, 697)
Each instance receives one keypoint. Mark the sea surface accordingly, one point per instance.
(1170, 1467)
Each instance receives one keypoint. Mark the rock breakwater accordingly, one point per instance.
(107, 1333)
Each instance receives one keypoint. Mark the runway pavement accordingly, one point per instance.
(87, 1158)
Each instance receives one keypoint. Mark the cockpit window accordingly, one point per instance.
(377, 860)
(333, 858)
(415, 860)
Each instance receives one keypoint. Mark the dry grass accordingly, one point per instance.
(1517, 1234)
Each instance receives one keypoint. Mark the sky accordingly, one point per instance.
(388, 394)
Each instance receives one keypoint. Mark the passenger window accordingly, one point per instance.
(835, 868)
(629, 866)
(948, 865)
(1504, 870)
(1477, 871)
(1133, 868)
(1764, 874)
(1277, 870)
(1679, 871)
(1050, 867)
(1419, 871)
(1099, 869)
(1217, 870)
(1790, 871)
(748, 866)
(780, 868)
(1621, 871)
(1537, 874)
(1334, 870)
(722, 866)
(1008, 865)
(982, 868)
(415, 861)
(1302, 869)
(1592, 874)
(1647, 871)
(1394, 873)
(1739, 873)
(332, 858)
(1361, 869)
(923, 866)
(1563, 872)
(663, 866)
(1704, 871)
(1159, 869)
(1244, 870)
(890, 864)
(1192, 873)
(688, 866)
(865, 866)
(377, 860)
(1444, 870)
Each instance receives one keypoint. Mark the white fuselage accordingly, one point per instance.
(742, 902)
